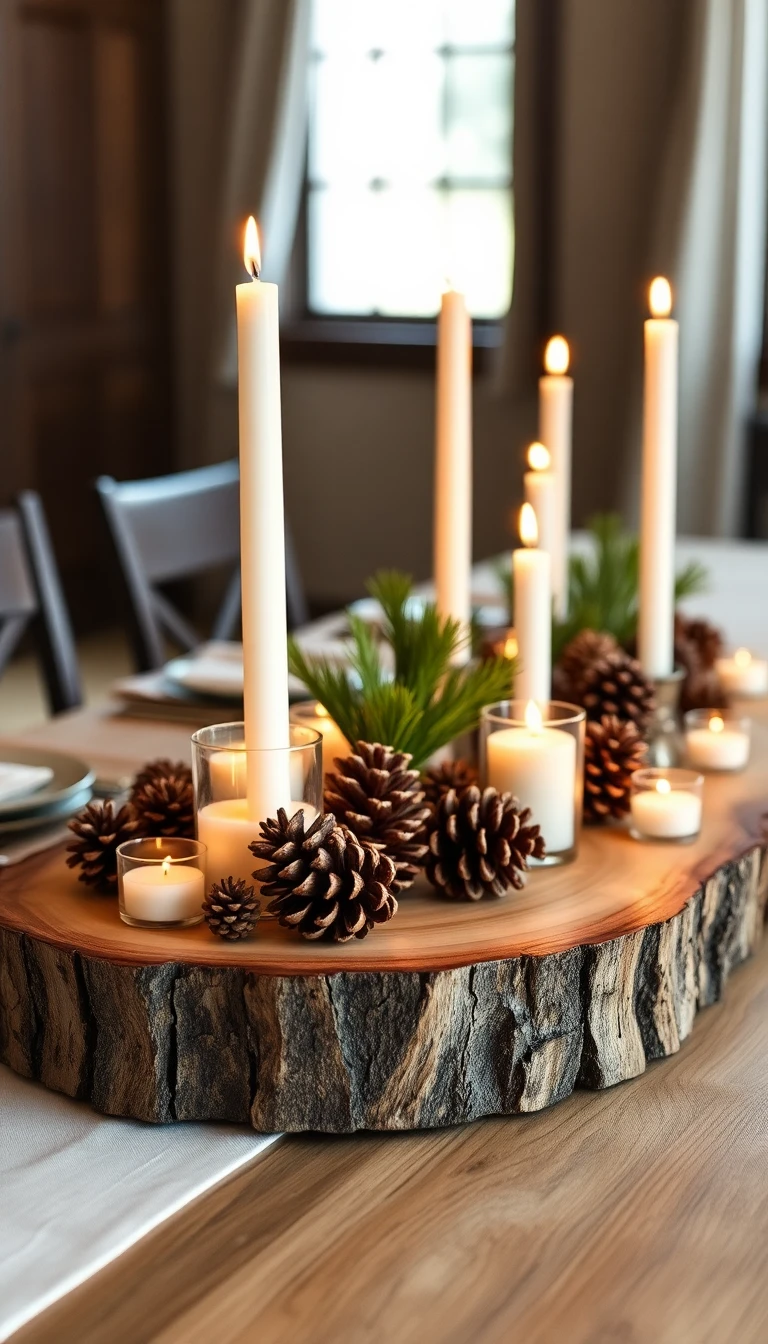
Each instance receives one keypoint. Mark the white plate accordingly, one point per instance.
(52, 815)
(71, 777)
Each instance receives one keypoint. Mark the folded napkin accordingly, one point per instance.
(15, 849)
(18, 780)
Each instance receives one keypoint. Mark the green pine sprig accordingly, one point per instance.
(417, 701)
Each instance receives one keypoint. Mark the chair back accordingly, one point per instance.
(31, 595)
(174, 527)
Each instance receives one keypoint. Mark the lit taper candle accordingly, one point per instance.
(658, 499)
(533, 612)
(555, 432)
(540, 488)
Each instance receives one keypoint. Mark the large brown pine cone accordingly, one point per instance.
(616, 685)
(612, 751)
(164, 803)
(440, 779)
(585, 649)
(375, 794)
(705, 638)
(161, 768)
(480, 843)
(231, 908)
(697, 645)
(324, 881)
(98, 830)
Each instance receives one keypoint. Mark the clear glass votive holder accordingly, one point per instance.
(717, 739)
(666, 804)
(535, 750)
(311, 714)
(290, 777)
(161, 882)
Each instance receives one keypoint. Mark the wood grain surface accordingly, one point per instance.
(637, 1216)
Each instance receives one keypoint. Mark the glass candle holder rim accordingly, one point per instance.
(195, 849)
(576, 713)
(701, 718)
(678, 777)
(312, 739)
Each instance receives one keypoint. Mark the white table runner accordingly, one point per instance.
(77, 1189)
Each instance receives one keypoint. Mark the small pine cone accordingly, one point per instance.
(165, 804)
(231, 908)
(376, 795)
(584, 650)
(616, 685)
(612, 751)
(480, 843)
(98, 830)
(702, 689)
(440, 779)
(162, 768)
(324, 881)
(706, 639)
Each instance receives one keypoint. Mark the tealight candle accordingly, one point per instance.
(743, 674)
(715, 741)
(666, 805)
(314, 715)
(161, 882)
(537, 762)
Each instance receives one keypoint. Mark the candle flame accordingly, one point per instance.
(533, 719)
(251, 249)
(716, 724)
(557, 355)
(538, 457)
(320, 711)
(663, 786)
(742, 657)
(166, 865)
(510, 647)
(660, 297)
(529, 527)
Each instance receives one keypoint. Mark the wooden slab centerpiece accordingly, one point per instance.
(449, 1012)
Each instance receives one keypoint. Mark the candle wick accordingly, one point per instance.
(255, 272)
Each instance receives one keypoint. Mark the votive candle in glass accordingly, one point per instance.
(716, 740)
(742, 674)
(666, 804)
(161, 882)
(536, 752)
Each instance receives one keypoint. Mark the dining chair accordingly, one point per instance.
(174, 527)
(31, 596)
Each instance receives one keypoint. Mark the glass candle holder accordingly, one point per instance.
(716, 739)
(311, 714)
(289, 777)
(536, 751)
(666, 804)
(161, 882)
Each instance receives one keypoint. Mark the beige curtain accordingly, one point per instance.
(659, 166)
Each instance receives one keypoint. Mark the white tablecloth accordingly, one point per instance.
(77, 1189)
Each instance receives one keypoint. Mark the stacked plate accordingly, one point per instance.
(39, 788)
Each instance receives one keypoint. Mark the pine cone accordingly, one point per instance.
(231, 908)
(98, 830)
(617, 685)
(440, 779)
(584, 650)
(162, 768)
(480, 843)
(165, 803)
(324, 881)
(612, 751)
(705, 638)
(378, 798)
(697, 645)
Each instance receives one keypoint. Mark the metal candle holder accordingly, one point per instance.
(666, 745)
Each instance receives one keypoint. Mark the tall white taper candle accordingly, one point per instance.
(531, 576)
(453, 460)
(555, 432)
(540, 489)
(655, 635)
(262, 541)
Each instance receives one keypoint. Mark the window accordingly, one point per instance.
(410, 156)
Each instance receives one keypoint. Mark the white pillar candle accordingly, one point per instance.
(540, 489)
(538, 765)
(227, 830)
(453, 460)
(163, 893)
(556, 433)
(663, 813)
(742, 674)
(229, 772)
(717, 746)
(316, 717)
(262, 541)
(533, 613)
(656, 617)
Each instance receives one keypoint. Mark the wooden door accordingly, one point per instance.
(84, 366)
